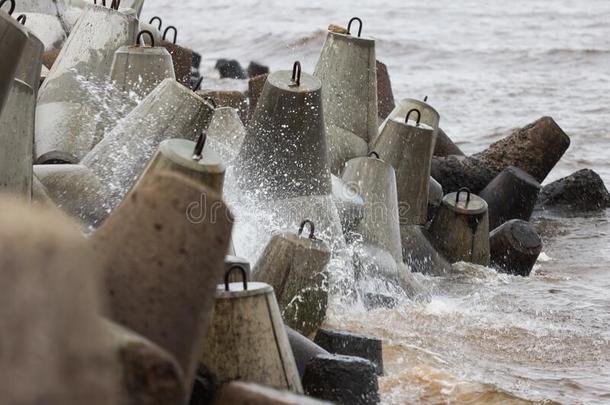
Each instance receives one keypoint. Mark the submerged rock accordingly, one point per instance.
(230, 69)
(583, 190)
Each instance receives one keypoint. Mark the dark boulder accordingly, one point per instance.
(583, 190)
(352, 344)
(230, 69)
(256, 69)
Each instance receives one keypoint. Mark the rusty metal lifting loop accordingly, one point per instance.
(12, 9)
(210, 99)
(296, 74)
(22, 19)
(349, 26)
(244, 275)
(150, 34)
(373, 153)
(197, 86)
(156, 18)
(115, 4)
(171, 27)
(457, 195)
(103, 2)
(312, 228)
(425, 99)
(198, 151)
(409, 114)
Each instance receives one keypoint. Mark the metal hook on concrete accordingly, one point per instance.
(425, 99)
(171, 27)
(150, 34)
(244, 275)
(12, 9)
(156, 18)
(349, 26)
(457, 195)
(312, 228)
(409, 114)
(198, 151)
(373, 153)
(197, 86)
(115, 4)
(22, 19)
(296, 74)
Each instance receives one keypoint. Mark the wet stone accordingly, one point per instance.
(445, 146)
(352, 344)
(303, 349)
(583, 190)
(255, 69)
(230, 69)
(344, 380)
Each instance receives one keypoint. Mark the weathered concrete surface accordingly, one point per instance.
(435, 197)
(228, 98)
(13, 39)
(535, 148)
(241, 393)
(460, 230)
(169, 111)
(420, 254)
(166, 293)
(408, 148)
(284, 154)
(75, 189)
(53, 345)
(65, 129)
(428, 115)
(454, 172)
(303, 349)
(295, 266)
(352, 344)
(385, 95)
(583, 190)
(349, 203)
(226, 133)
(149, 375)
(255, 88)
(342, 379)
(17, 140)
(512, 194)
(30, 64)
(515, 247)
(176, 155)
(444, 145)
(247, 340)
(49, 57)
(183, 59)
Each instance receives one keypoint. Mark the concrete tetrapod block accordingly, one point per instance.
(535, 148)
(255, 88)
(347, 69)
(53, 345)
(169, 111)
(385, 95)
(583, 190)
(352, 344)
(65, 130)
(17, 140)
(408, 147)
(444, 145)
(454, 172)
(342, 379)
(13, 40)
(180, 155)
(182, 58)
(435, 197)
(303, 349)
(228, 98)
(226, 133)
(140, 69)
(242, 393)
(247, 340)
(75, 189)
(162, 265)
(350, 204)
(30, 64)
(295, 266)
(420, 254)
(460, 230)
(428, 116)
(515, 247)
(512, 194)
(149, 375)
(284, 153)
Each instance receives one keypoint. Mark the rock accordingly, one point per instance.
(303, 349)
(444, 145)
(150, 375)
(342, 379)
(166, 294)
(515, 247)
(241, 393)
(255, 88)
(228, 98)
(385, 96)
(512, 194)
(455, 172)
(54, 349)
(256, 69)
(352, 344)
(535, 148)
(583, 190)
(230, 69)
